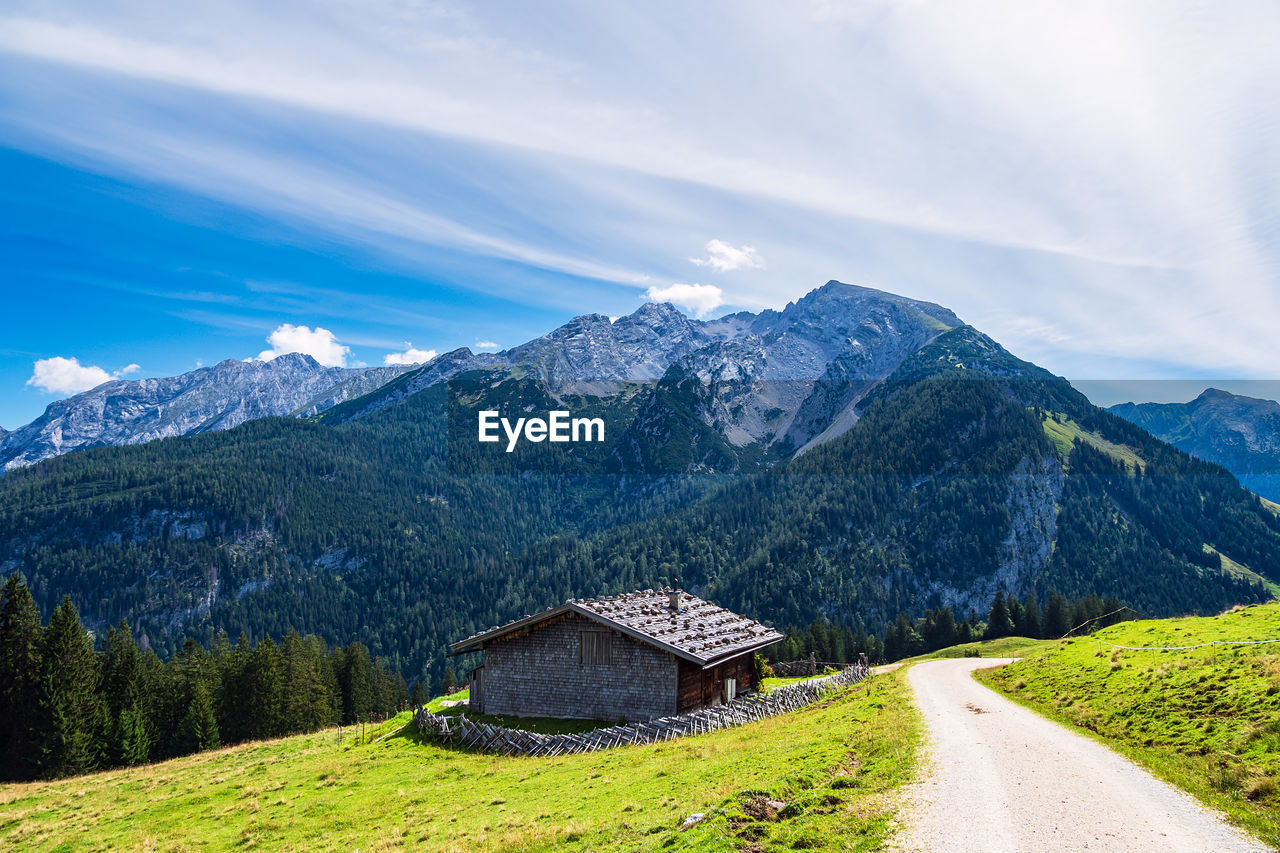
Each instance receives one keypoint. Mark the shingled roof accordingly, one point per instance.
(700, 632)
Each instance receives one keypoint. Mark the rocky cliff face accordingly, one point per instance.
(211, 398)
(1242, 434)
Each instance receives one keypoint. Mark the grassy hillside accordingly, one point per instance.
(1005, 647)
(1205, 719)
(1064, 433)
(831, 764)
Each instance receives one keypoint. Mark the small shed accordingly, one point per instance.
(636, 656)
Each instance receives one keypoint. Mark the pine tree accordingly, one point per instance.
(356, 676)
(999, 623)
(126, 694)
(306, 699)
(199, 728)
(72, 718)
(19, 681)
(420, 694)
(266, 690)
(1056, 617)
(234, 710)
(1031, 616)
(129, 735)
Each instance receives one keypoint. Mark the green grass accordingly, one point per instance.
(1064, 433)
(774, 682)
(1240, 570)
(436, 705)
(1206, 720)
(834, 765)
(1005, 647)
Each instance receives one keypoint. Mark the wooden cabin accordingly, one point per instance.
(637, 656)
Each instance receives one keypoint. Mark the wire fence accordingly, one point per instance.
(486, 737)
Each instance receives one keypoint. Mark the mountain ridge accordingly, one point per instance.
(1240, 433)
(220, 396)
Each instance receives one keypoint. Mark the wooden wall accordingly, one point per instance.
(700, 688)
(538, 672)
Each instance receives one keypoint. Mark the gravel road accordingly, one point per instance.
(1005, 779)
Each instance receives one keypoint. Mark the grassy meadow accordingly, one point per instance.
(821, 779)
(1206, 720)
(1005, 647)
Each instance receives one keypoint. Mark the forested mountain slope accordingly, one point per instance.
(963, 472)
(1242, 434)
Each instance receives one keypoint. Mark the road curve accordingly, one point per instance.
(1005, 779)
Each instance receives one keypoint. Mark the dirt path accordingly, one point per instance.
(1006, 779)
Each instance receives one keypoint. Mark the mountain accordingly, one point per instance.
(770, 383)
(1242, 434)
(589, 353)
(210, 398)
(853, 455)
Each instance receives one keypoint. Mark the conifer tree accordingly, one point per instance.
(130, 738)
(199, 728)
(126, 694)
(234, 710)
(1056, 616)
(356, 676)
(1031, 616)
(999, 623)
(72, 718)
(266, 689)
(19, 681)
(306, 698)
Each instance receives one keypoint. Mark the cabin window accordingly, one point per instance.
(596, 648)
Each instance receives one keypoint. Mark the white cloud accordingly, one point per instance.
(698, 298)
(486, 345)
(410, 355)
(127, 369)
(320, 344)
(60, 375)
(725, 258)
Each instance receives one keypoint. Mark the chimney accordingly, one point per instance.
(673, 600)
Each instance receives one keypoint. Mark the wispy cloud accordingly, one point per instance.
(486, 345)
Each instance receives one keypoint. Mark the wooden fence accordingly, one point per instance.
(485, 737)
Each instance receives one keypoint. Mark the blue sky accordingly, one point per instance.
(1094, 186)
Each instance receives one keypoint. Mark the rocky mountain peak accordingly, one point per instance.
(220, 396)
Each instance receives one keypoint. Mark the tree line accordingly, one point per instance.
(939, 629)
(70, 705)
